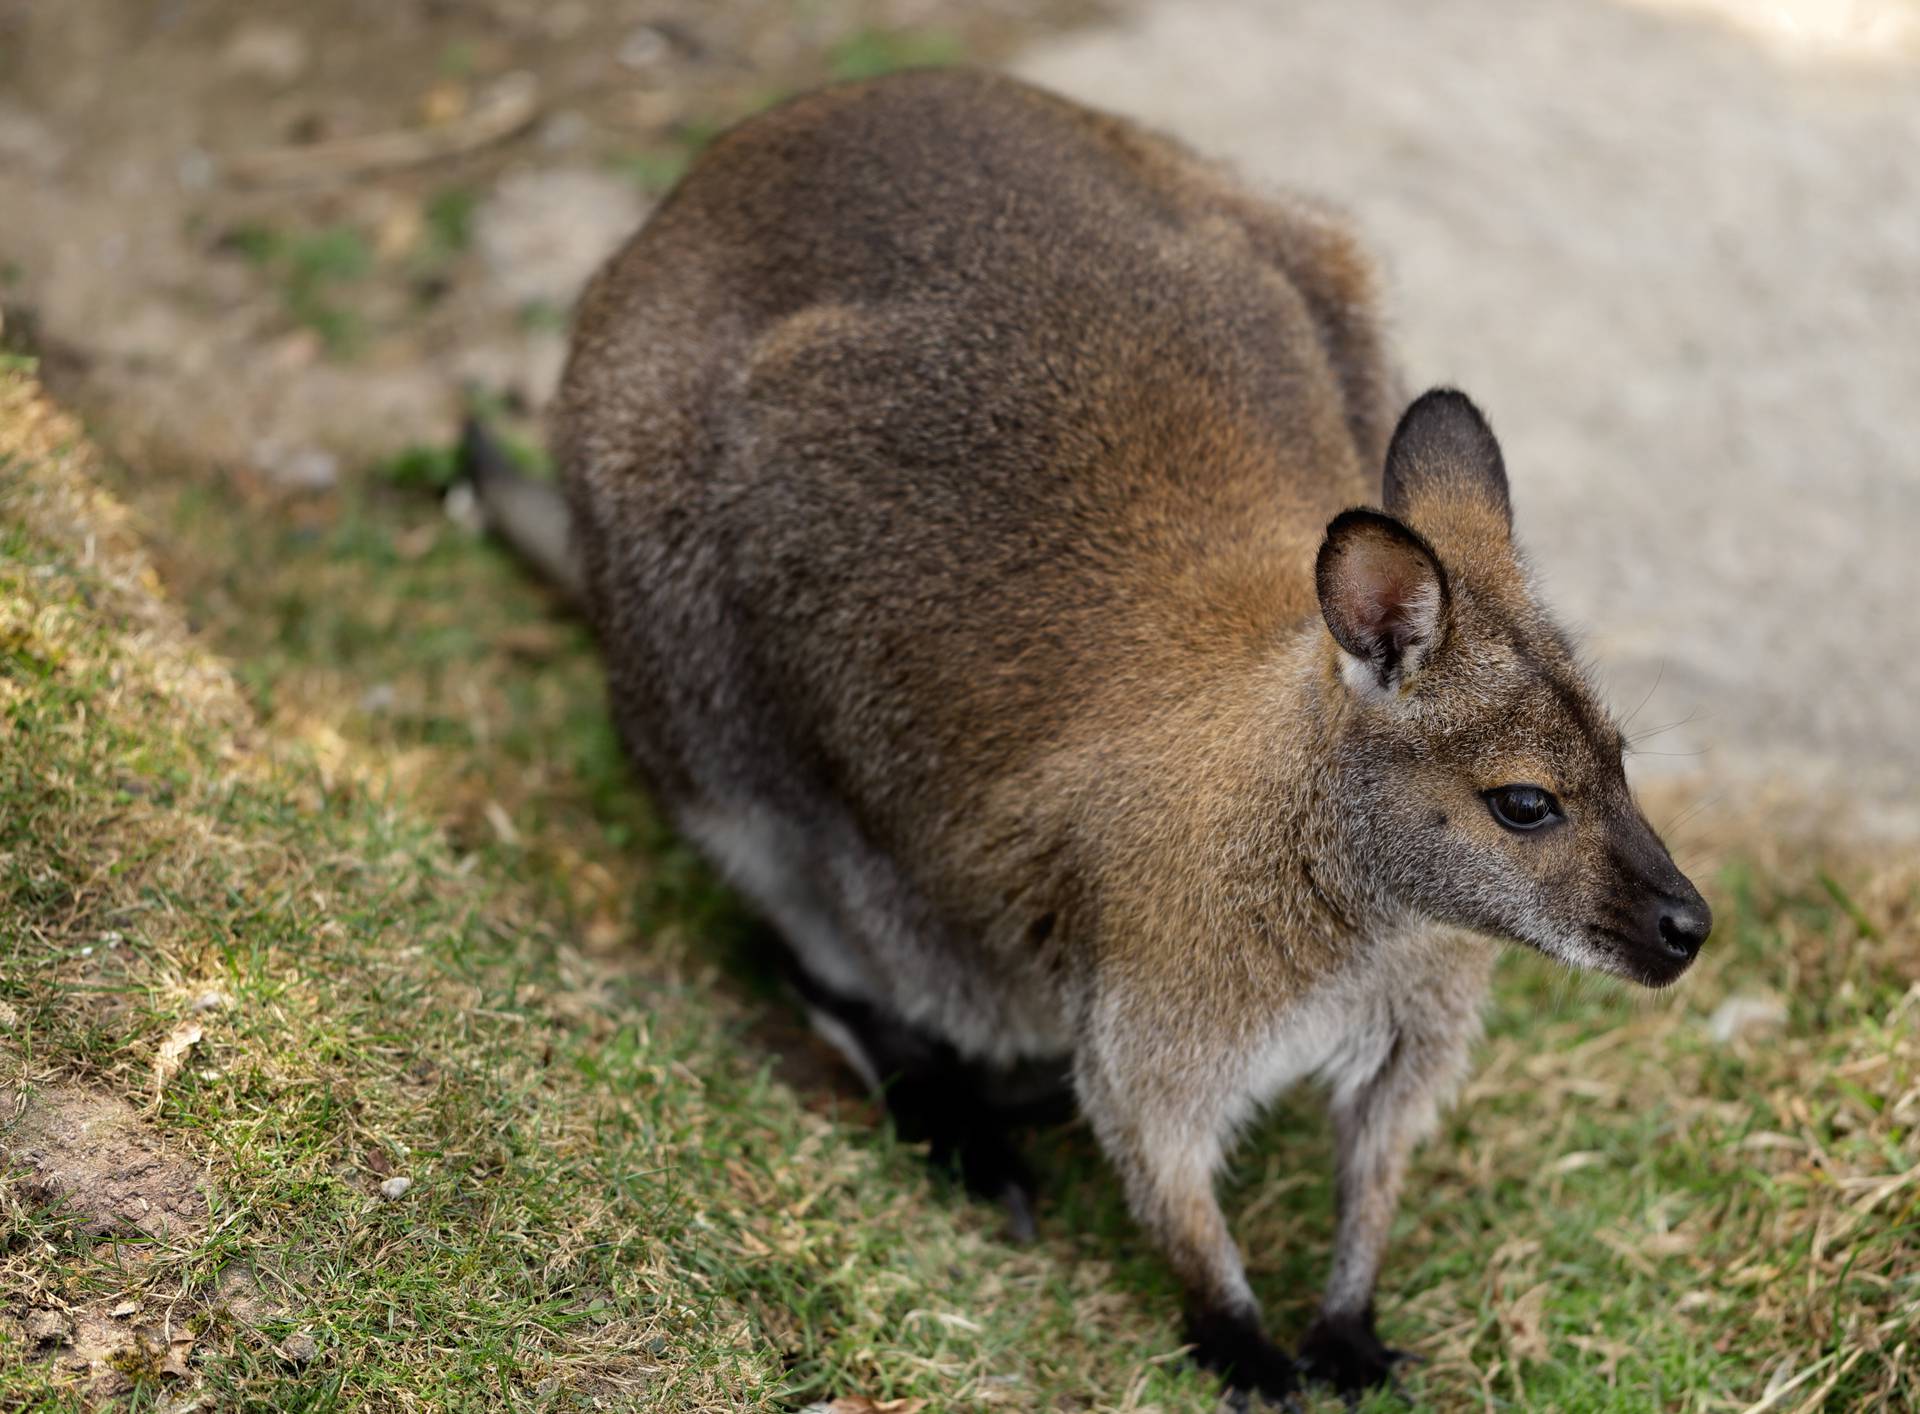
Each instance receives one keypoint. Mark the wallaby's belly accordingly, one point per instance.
(909, 448)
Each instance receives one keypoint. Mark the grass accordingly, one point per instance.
(871, 52)
(311, 268)
(375, 804)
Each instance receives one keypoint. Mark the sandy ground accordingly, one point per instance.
(273, 241)
(1675, 251)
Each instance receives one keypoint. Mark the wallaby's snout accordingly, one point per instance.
(1659, 922)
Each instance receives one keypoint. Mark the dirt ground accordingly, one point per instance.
(253, 241)
(1673, 247)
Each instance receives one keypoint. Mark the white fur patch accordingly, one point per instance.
(835, 1033)
(764, 856)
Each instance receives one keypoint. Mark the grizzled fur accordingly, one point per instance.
(951, 471)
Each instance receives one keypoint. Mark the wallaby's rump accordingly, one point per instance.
(951, 471)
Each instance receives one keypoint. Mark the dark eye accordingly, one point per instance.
(1523, 807)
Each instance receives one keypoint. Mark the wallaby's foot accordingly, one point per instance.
(965, 1135)
(1344, 1352)
(1234, 1347)
(963, 1112)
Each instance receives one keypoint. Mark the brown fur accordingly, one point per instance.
(948, 465)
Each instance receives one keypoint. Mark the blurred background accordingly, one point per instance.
(1672, 245)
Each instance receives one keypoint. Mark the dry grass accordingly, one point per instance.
(450, 943)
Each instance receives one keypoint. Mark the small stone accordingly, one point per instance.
(46, 1328)
(299, 1348)
(195, 169)
(642, 49)
(395, 1187)
(275, 53)
(124, 1310)
(298, 468)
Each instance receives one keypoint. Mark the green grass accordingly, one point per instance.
(869, 53)
(457, 945)
(311, 269)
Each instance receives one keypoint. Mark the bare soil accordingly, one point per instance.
(274, 239)
(94, 1156)
(94, 1160)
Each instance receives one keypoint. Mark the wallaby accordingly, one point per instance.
(968, 490)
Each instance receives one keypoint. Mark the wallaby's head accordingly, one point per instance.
(1480, 776)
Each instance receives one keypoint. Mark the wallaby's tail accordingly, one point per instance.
(529, 515)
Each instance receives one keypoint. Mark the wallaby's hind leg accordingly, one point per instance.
(935, 1096)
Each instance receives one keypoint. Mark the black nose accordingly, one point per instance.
(1684, 927)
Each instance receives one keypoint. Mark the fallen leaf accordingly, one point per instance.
(173, 1051)
(174, 1362)
(502, 823)
(1524, 1321)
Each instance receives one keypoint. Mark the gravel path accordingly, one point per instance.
(1679, 264)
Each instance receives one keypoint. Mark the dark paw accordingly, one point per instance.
(1343, 1351)
(1234, 1347)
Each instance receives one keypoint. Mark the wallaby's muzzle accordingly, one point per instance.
(1660, 921)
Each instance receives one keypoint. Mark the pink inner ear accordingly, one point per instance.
(1382, 592)
(1390, 588)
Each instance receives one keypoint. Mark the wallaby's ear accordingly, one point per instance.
(1443, 448)
(1383, 594)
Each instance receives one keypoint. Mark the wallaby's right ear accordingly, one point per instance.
(1443, 448)
(1383, 595)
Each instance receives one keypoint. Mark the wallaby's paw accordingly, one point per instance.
(1344, 1352)
(1234, 1347)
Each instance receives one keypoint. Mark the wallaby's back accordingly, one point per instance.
(945, 408)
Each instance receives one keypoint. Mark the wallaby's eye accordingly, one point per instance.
(1523, 807)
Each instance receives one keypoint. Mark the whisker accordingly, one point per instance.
(1659, 673)
(1650, 733)
(1697, 808)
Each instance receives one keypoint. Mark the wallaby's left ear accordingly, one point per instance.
(1443, 448)
(1383, 595)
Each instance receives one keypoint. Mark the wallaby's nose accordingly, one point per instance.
(1684, 927)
